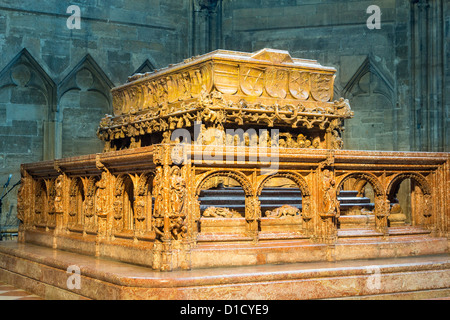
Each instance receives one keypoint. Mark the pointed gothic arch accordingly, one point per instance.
(83, 99)
(25, 71)
(146, 66)
(385, 87)
(94, 79)
(371, 91)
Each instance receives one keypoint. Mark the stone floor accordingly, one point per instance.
(8, 292)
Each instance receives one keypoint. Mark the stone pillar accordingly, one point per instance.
(171, 213)
(328, 206)
(25, 203)
(382, 208)
(206, 26)
(427, 45)
(252, 215)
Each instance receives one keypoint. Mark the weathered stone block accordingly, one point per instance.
(16, 144)
(25, 96)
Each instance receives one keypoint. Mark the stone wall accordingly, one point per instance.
(55, 81)
(396, 92)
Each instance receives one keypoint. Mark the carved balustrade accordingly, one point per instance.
(241, 120)
(142, 198)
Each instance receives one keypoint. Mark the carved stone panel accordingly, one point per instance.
(299, 85)
(252, 81)
(322, 86)
(226, 78)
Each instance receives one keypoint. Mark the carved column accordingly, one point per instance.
(172, 200)
(382, 208)
(252, 215)
(25, 204)
(102, 202)
(328, 203)
(60, 204)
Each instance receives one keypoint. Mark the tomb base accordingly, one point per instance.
(357, 221)
(408, 267)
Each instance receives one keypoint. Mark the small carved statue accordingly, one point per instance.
(336, 140)
(330, 202)
(178, 228)
(214, 212)
(58, 196)
(396, 215)
(315, 143)
(283, 211)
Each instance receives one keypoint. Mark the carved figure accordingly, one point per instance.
(178, 228)
(214, 212)
(58, 194)
(283, 211)
(396, 215)
(336, 140)
(330, 202)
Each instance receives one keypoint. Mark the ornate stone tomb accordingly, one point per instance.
(220, 160)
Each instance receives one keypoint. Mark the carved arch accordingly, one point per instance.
(77, 195)
(385, 87)
(298, 179)
(238, 176)
(74, 185)
(123, 205)
(99, 83)
(360, 177)
(144, 182)
(119, 185)
(90, 192)
(417, 177)
(36, 78)
(91, 185)
(40, 200)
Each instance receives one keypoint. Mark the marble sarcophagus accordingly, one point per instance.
(231, 159)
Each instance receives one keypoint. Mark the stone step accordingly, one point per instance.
(43, 272)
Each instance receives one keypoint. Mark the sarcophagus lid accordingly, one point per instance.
(226, 88)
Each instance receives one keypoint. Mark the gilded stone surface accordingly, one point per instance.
(225, 89)
(166, 204)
